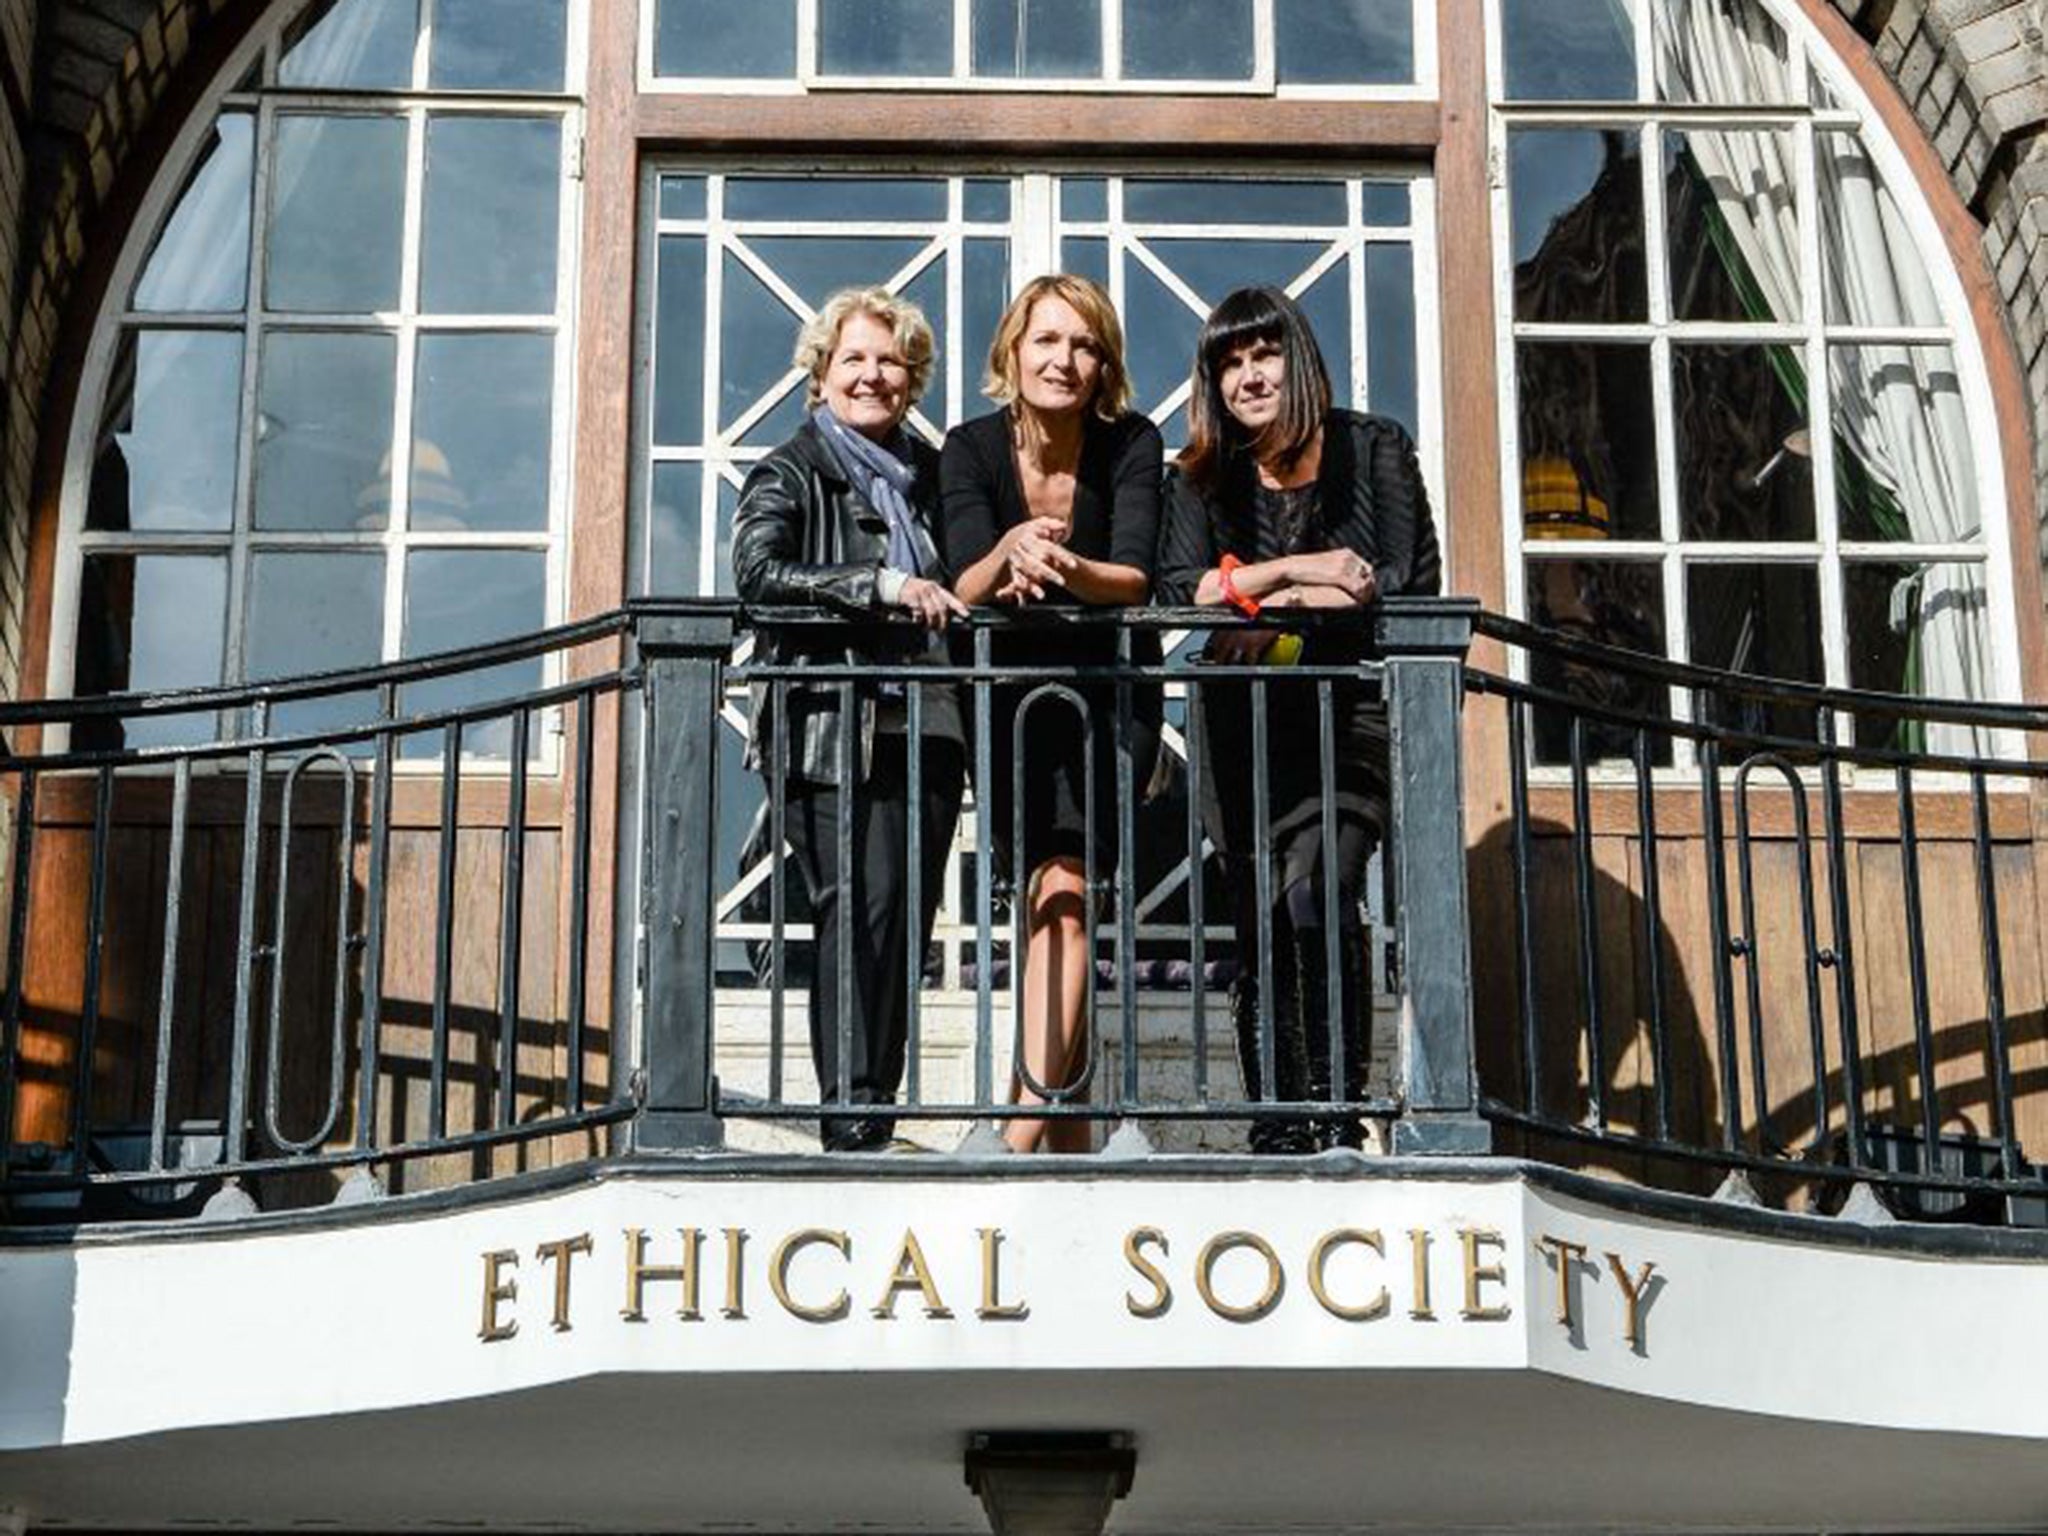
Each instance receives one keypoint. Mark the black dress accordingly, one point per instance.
(1115, 518)
(1368, 497)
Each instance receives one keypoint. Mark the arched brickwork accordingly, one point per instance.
(83, 83)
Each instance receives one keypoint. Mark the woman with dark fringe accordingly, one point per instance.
(1284, 501)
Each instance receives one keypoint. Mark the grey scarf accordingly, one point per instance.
(884, 475)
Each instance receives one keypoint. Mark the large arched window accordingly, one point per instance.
(1745, 394)
(325, 417)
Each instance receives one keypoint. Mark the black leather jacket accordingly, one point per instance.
(804, 537)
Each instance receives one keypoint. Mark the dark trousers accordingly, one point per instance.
(868, 886)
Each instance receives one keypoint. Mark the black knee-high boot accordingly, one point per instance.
(1311, 972)
(1292, 1069)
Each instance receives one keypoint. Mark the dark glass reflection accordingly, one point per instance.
(483, 417)
(1187, 39)
(1916, 628)
(675, 519)
(337, 214)
(463, 597)
(1576, 210)
(1087, 256)
(1345, 42)
(167, 446)
(1327, 306)
(1233, 202)
(984, 294)
(986, 200)
(1390, 333)
(1568, 50)
(1385, 204)
(1759, 619)
(201, 260)
(679, 340)
(350, 44)
(145, 623)
(717, 38)
(885, 37)
(817, 265)
(1213, 268)
(323, 430)
(1038, 39)
(821, 199)
(1588, 441)
(499, 45)
(1745, 458)
(1614, 602)
(721, 538)
(1732, 226)
(1159, 336)
(757, 333)
(315, 612)
(493, 187)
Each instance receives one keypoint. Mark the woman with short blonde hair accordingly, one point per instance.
(840, 517)
(1054, 500)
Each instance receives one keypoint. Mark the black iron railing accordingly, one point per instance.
(1761, 927)
(502, 918)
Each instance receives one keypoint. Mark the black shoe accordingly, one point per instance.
(1291, 1136)
(838, 1134)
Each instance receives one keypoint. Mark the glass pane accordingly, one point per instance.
(1723, 51)
(493, 184)
(463, 597)
(1038, 39)
(679, 340)
(986, 201)
(1159, 336)
(323, 430)
(167, 446)
(1084, 199)
(483, 414)
(1390, 333)
(146, 623)
(885, 37)
(337, 218)
(757, 333)
(1345, 42)
(1568, 50)
(1745, 458)
(1214, 268)
(1759, 619)
(352, 44)
(817, 265)
(315, 613)
(1734, 226)
(501, 45)
(779, 422)
(1588, 439)
(721, 549)
(870, 199)
(1386, 204)
(1871, 269)
(1616, 603)
(675, 521)
(755, 41)
(1918, 629)
(201, 261)
(683, 197)
(1327, 306)
(1187, 39)
(1576, 210)
(1234, 202)
(1087, 257)
(1904, 471)
(984, 295)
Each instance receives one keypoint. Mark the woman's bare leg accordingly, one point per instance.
(1059, 966)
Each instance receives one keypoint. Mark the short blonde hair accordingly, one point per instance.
(913, 333)
(1113, 393)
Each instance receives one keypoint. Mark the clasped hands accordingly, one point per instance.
(1035, 558)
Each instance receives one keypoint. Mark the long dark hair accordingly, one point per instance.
(1214, 436)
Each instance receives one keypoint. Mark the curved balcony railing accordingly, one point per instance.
(525, 905)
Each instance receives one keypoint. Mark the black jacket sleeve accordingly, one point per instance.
(768, 566)
(1388, 520)
(969, 523)
(1187, 544)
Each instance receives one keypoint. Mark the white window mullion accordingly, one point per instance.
(1429, 371)
(1112, 40)
(963, 40)
(714, 288)
(955, 258)
(232, 660)
(1820, 412)
(1265, 71)
(422, 46)
(1360, 383)
(1036, 246)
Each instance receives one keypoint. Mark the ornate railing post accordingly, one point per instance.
(683, 655)
(1424, 641)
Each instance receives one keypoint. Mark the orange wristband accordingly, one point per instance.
(1248, 606)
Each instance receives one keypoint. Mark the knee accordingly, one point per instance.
(1059, 890)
